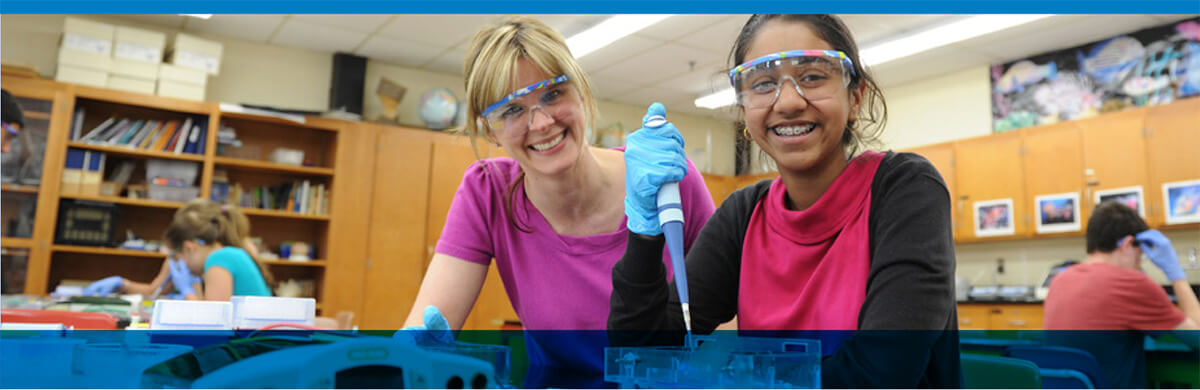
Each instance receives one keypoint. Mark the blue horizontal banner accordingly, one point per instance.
(592, 359)
(600, 7)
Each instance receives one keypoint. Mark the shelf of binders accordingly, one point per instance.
(96, 250)
(270, 167)
(138, 131)
(282, 214)
(149, 203)
(19, 188)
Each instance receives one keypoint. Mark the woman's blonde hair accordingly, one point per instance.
(201, 219)
(491, 74)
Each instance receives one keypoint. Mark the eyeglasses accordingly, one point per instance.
(513, 113)
(815, 74)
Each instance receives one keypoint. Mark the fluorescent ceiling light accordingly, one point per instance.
(609, 31)
(716, 100)
(200, 16)
(943, 35)
(946, 34)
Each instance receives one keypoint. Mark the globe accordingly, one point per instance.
(437, 107)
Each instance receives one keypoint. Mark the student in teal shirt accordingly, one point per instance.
(206, 240)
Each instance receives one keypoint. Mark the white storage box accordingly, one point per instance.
(135, 69)
(180, 90)
(257, 312)
(191, 315)
(88, 36)
(85, 76)
(139, 45)
(131, 84)
(182, 74)
(84, 59)
(196, 53)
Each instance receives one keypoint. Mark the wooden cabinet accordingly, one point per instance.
(1114, 154)
(1173, 146)
(1053, 164)
(989, 169)
(396, 231)
(1000, 316)
(942, 158)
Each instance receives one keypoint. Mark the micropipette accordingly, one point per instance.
(670, 217)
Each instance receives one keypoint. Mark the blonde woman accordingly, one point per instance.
(551, 215)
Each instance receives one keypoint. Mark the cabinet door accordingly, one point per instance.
(1173, 136)
(1016, 317)
(973, 316)
(397, 227)
(942, 158)
(451, 157)
(1114, 157)
(1053, 160)
(988, 171)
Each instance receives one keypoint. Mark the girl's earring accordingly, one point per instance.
(746, 133)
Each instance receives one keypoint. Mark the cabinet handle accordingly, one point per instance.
(965, 320)
(1016, 322)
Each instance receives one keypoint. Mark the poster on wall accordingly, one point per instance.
(1129, 196)
(1057, 213)
(1182, 200)
(1145, 68)
(994, 218)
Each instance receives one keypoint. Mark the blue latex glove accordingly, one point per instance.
(653, 156)
(182, 277)
(104, 286)
(435, 331)
(1158, 248)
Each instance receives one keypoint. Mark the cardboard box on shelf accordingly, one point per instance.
(86, 35)
(139, 45)
(131, 84)
(196, 53)
(85, 76)
(180, 90)
(182, 74)
(134, 69)
(84, 59)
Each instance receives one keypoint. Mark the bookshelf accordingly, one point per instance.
(71, 113)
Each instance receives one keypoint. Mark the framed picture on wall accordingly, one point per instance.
(1129, 196)
(1057, 213)
(994, 218)
(1182, 200)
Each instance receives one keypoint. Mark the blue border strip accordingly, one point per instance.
(600, 6)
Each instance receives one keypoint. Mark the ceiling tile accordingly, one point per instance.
(623, 49)
(704, 80)
(667, 61)
(610, 89)
(717, 38)
(254, 28)
(569, 25)
(450, 62)
(870, 29)
(928, 64)
(397, 51)
(359, 23)
(436, 30)
(306, 35)
(1068, 31)
(678, 26)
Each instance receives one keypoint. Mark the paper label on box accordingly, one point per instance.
(195, 60)
(273, 311)
(138, 52)
(87, 43)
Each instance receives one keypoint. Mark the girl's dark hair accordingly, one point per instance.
(863, 132)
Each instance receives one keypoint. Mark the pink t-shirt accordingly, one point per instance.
(807, 270)
(554, 281)
(1102, 296)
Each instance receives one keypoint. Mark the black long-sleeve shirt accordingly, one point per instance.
(907, 325)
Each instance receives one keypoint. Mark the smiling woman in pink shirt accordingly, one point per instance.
(551, 215)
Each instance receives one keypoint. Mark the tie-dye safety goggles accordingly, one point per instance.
(816, 75)
(512, 112)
